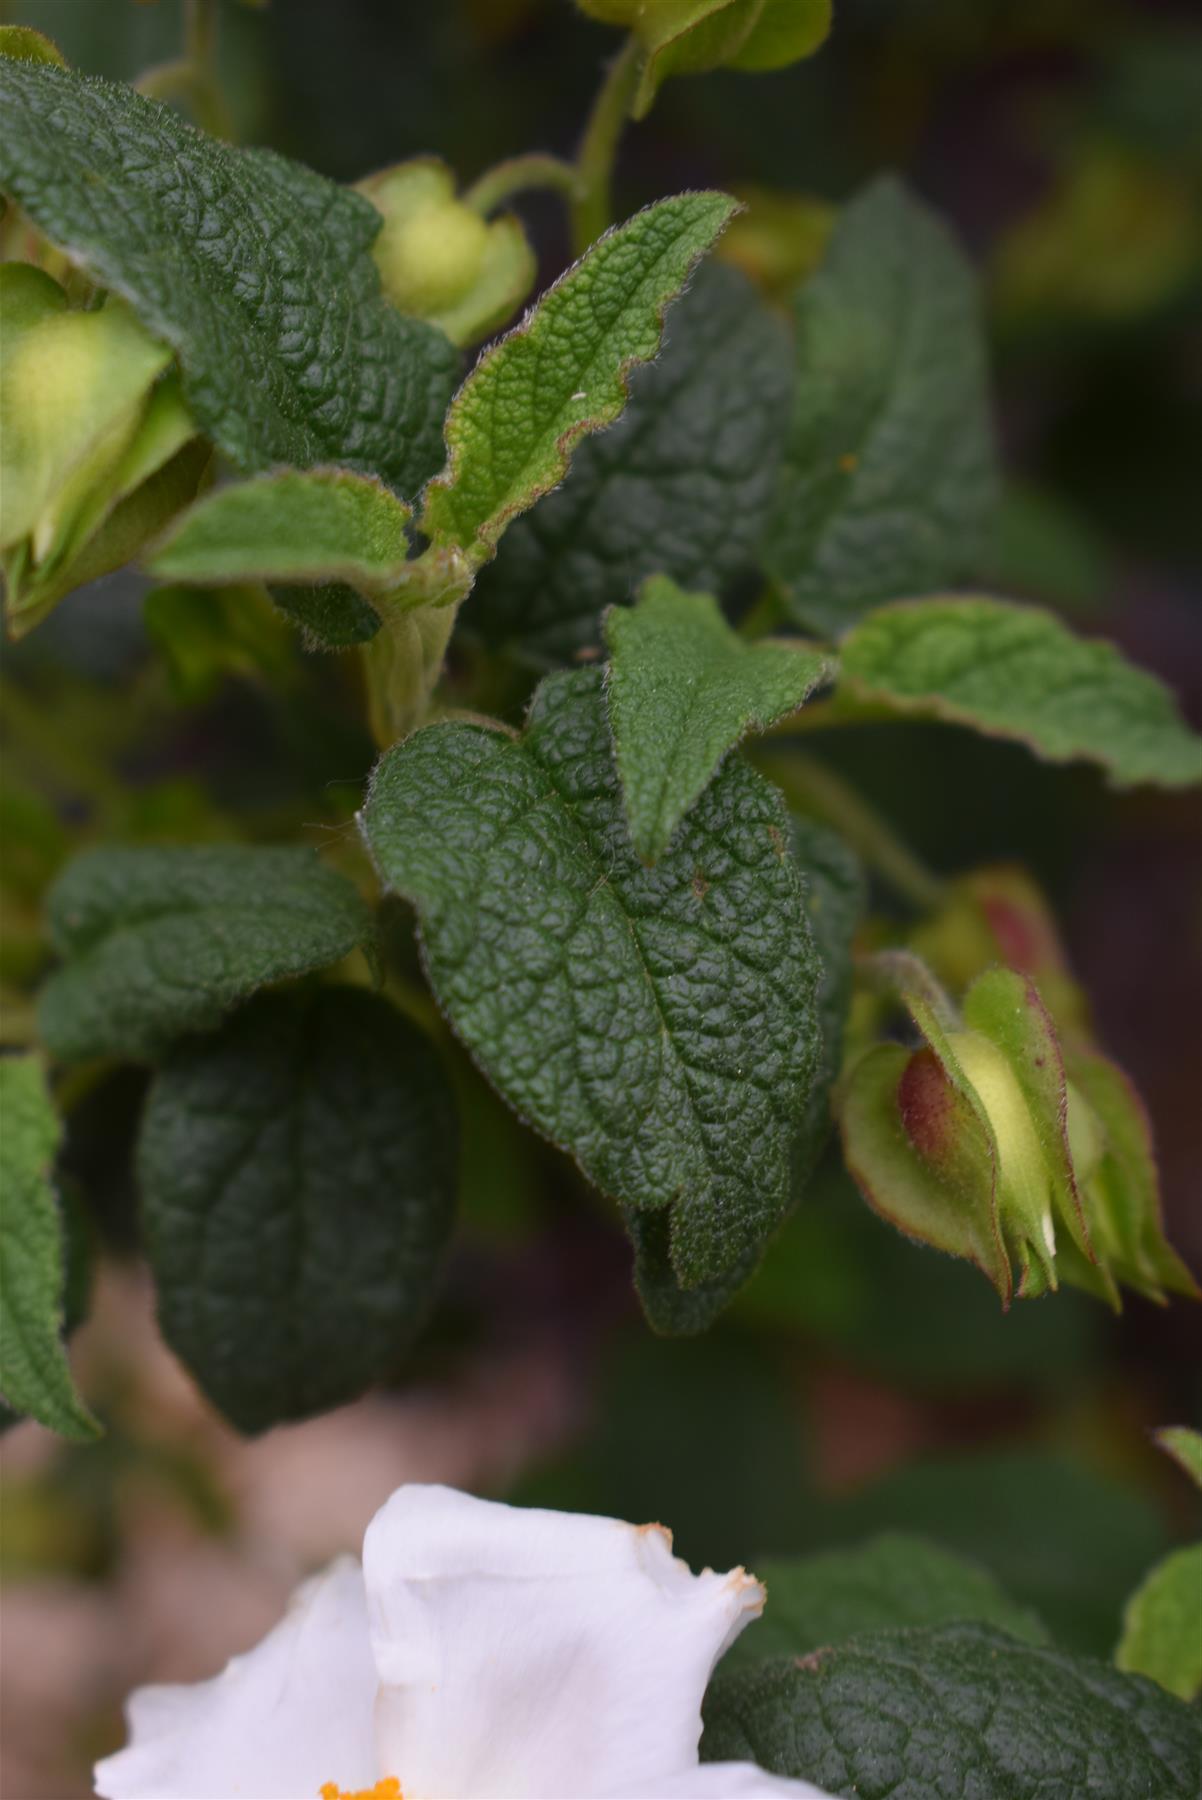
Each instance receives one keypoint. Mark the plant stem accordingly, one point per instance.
(200, 35)
(401, 666)
(812, 787)
(591, 209)
(521, 174)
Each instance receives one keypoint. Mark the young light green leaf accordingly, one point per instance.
(888, 486)
(564, 371)
(1185, 1447)
(659, 1024)
(683, 689)
(257, 271)
(681, 485)
(306, 526)
(34, 1376)
(297, 1173)
(816, 1602)
(1017, 672)
(784, 31)
(161, 941)
(1162, 1626)
(903, 1713)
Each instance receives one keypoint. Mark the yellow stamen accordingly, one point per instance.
(388, 1789)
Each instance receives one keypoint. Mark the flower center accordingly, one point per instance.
(388, 1789)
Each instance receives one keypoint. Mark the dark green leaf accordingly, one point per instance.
(888, 486)
(158, 942)
(331, 615)
(1062, 1540)
(836, 896)
(257, 271)
(34, 1376)
(956, 1710)
(1017, 672)
(564, 371)
(682, 483)
(657, 1023)
(683, 689)
(818, 1601)
(298, 1178)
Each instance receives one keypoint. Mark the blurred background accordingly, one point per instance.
(859, 1382)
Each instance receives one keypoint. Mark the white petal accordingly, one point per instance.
(723, 1781)
(294, 1712)
(537, 1653)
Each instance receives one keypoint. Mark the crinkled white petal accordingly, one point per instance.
(534, 1653)
(294, 1712)
(723, 1781)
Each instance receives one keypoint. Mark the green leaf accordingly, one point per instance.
(815, 1602)
(1061, 1539)
(331, 615)
(307, 526)
(257, 271)
(955, 1709)
(34, 1376)
(836, 899)
(563, 372)
(1017, 672)
(1162, 1628)
(888, 486)
(159, 942)
(683, 689)
(23, 41)
(784, 32)
(659, 1024)
(297, 1173)
(1185, 1447)
(681, 485)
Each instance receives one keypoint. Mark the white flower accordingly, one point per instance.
(482, 1650)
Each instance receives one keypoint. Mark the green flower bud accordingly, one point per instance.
(980, 1143)
(88, 415)
(439, 259)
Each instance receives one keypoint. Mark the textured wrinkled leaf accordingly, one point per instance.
(681, 485)
(158, 942)
(297, 1173)
(960, 1710)
(307, 526)
(683, 689)
(34, 1376)
(815, 1602)
(888, 486)
(835, 896)
(1162, 1626)
(257, 271)
(564, 371)
(1185, 1447)
(657, 1023)
(1017, 672)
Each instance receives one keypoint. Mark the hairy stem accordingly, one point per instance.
(592, 209)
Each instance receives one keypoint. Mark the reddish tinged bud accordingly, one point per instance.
(926, 1101)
